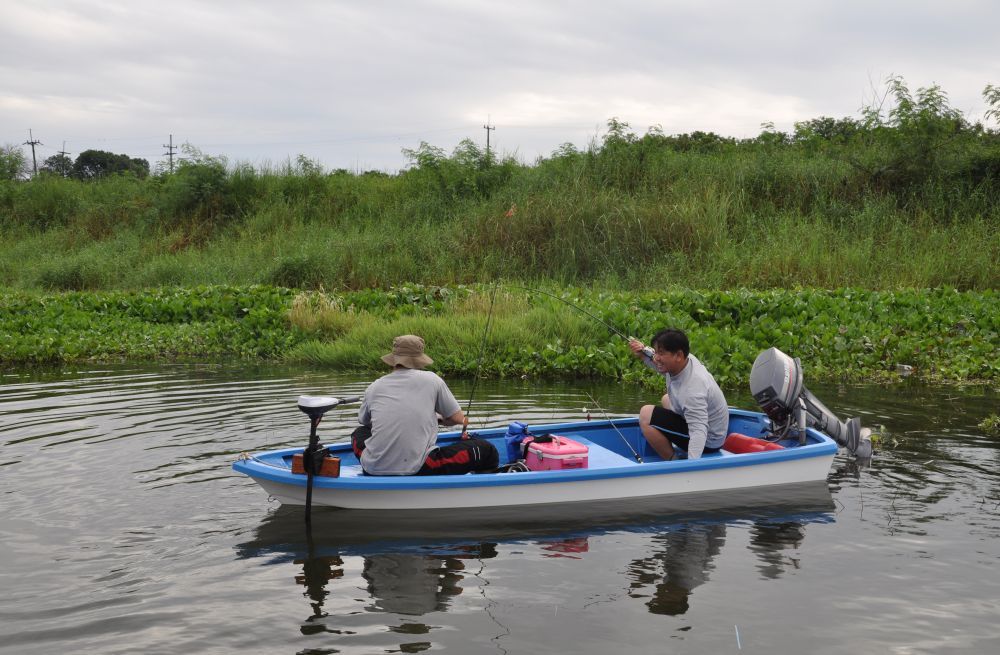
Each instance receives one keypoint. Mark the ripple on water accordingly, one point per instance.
(124, 530)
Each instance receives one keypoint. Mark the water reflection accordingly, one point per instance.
(770, 540)
(681, 560)
(317, 572)
(411, 570)
(413, 585)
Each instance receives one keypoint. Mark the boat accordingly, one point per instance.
(793, 441)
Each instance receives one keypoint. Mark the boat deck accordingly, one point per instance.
(599, 457)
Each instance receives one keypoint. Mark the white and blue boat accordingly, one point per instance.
(794, 441)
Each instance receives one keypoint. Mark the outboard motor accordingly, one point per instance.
(777, 386)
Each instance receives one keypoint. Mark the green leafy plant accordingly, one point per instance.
(991, 425)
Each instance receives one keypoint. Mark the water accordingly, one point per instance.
(123, 530)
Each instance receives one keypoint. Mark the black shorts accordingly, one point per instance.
(458, 458)
(674, 427)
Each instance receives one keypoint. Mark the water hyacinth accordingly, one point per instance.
(933, 334)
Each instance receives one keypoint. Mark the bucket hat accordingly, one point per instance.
(408, 351)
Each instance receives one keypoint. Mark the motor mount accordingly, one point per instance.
(776, 383)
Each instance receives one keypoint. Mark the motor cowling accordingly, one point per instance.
(776, 383)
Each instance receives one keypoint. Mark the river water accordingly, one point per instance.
(124, 530)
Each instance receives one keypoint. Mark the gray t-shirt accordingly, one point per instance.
(695, 395)
(400, 407)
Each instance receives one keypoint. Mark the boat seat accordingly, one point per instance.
(353, 471)
(599, 456)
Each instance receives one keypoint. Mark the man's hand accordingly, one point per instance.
(639, 349)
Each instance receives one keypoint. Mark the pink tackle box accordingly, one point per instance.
(556, 455)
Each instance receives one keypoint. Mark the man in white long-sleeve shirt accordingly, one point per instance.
(693, 415)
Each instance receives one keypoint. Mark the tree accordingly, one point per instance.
(58, 164)
(991, 94)
(827, 129)
(92, 164)
(13, 163)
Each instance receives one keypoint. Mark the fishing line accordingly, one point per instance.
(579, 309)
(646, 351)
(638, 458)
(482, 349)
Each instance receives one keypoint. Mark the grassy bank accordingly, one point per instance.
(848, 334)
(709, 221)
(906, 196)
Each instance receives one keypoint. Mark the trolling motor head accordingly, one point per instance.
(776, 383)
(316, 406)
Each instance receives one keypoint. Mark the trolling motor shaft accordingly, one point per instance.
(312, 457)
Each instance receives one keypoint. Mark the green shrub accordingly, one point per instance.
(45, 202)
(69, 276)
(304, 271)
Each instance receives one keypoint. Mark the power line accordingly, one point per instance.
(33, 142)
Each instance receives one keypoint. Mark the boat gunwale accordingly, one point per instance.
(256, 467)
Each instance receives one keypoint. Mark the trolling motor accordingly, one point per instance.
(776, 383)
(314, 454)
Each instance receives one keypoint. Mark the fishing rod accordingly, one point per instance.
(479, 364)
(638, 458)
(646, 350)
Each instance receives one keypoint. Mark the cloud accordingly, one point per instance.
(350, 84)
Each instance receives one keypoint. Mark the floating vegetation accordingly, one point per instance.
(844, 334)
(991, 425)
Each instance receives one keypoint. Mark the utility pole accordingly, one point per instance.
(65, 170)
(488, 129)
(170, 152)
(33, 142)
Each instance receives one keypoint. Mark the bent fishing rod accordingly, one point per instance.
(646, 350)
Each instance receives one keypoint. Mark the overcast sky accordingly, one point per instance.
(350, 84)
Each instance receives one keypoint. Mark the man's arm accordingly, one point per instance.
(458, 418)
(364, 413)
(696, 415)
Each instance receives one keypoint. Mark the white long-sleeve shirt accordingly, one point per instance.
(695, 395)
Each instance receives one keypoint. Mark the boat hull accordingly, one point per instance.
(613, 474)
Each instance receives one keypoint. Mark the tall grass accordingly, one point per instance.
(814, 209)
(356, 339)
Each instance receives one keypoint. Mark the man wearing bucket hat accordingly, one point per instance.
(399, 419)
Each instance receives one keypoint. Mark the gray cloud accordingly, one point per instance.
(351, 83)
